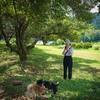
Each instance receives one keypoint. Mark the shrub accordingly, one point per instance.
(59, 41)
(78, 45)
(87, 45)
(73, 44)
(96, 48)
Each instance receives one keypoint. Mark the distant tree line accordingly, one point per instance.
(95, 36)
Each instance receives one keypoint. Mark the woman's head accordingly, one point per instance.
(68, 43)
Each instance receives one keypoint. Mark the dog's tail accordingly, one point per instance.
(29, 87)
(30, 92)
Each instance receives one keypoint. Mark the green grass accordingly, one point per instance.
(46, 62)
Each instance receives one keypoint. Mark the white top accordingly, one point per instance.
(69, 51)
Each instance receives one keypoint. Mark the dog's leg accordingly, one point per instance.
(34, 94)
(31, 95)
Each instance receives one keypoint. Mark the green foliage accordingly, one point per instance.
(96, 22)
(73, 44)
(83, 45)
(78, 45)
(93, 35)
(96, 36)
(38, 19)
(96, 48)
(59, 41)
(87, 45)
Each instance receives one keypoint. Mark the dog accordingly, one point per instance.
(53, 86)
(34, 89)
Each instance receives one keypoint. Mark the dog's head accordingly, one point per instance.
(40, 82)
(55, 87)
(50, 85)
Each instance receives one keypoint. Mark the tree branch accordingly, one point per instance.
(7, 42)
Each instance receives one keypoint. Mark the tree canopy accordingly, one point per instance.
(23, 20)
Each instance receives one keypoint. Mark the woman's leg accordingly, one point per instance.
(70, 68)
(65, 68)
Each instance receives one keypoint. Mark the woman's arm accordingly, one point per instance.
(71, 50)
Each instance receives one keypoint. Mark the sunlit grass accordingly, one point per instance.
(81, 53)
(91, 54)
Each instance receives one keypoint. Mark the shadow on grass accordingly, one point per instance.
(6, 66)
(7, 58)
(79, 89)
(92, 70)
(39, 60)
(51, 67)
(40, 57)
(42, 60)
(12, 91)
(79, 62)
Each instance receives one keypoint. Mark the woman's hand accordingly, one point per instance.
(67, 48)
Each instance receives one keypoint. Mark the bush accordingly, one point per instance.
(73, 44)
(96, 48)
(78, 45)
(59, 42)
(85, 45)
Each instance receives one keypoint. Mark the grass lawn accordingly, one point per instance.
(46, 62)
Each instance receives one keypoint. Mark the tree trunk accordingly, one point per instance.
(21, 49)
(23, 57)
(20, 28)
(20, 31)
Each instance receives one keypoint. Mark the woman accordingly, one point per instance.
(67, 61)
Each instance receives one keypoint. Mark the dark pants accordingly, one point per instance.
(67, 63)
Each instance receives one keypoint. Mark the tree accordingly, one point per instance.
(24, 20)
(96, 22)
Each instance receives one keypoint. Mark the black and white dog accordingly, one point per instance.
(53, 86)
